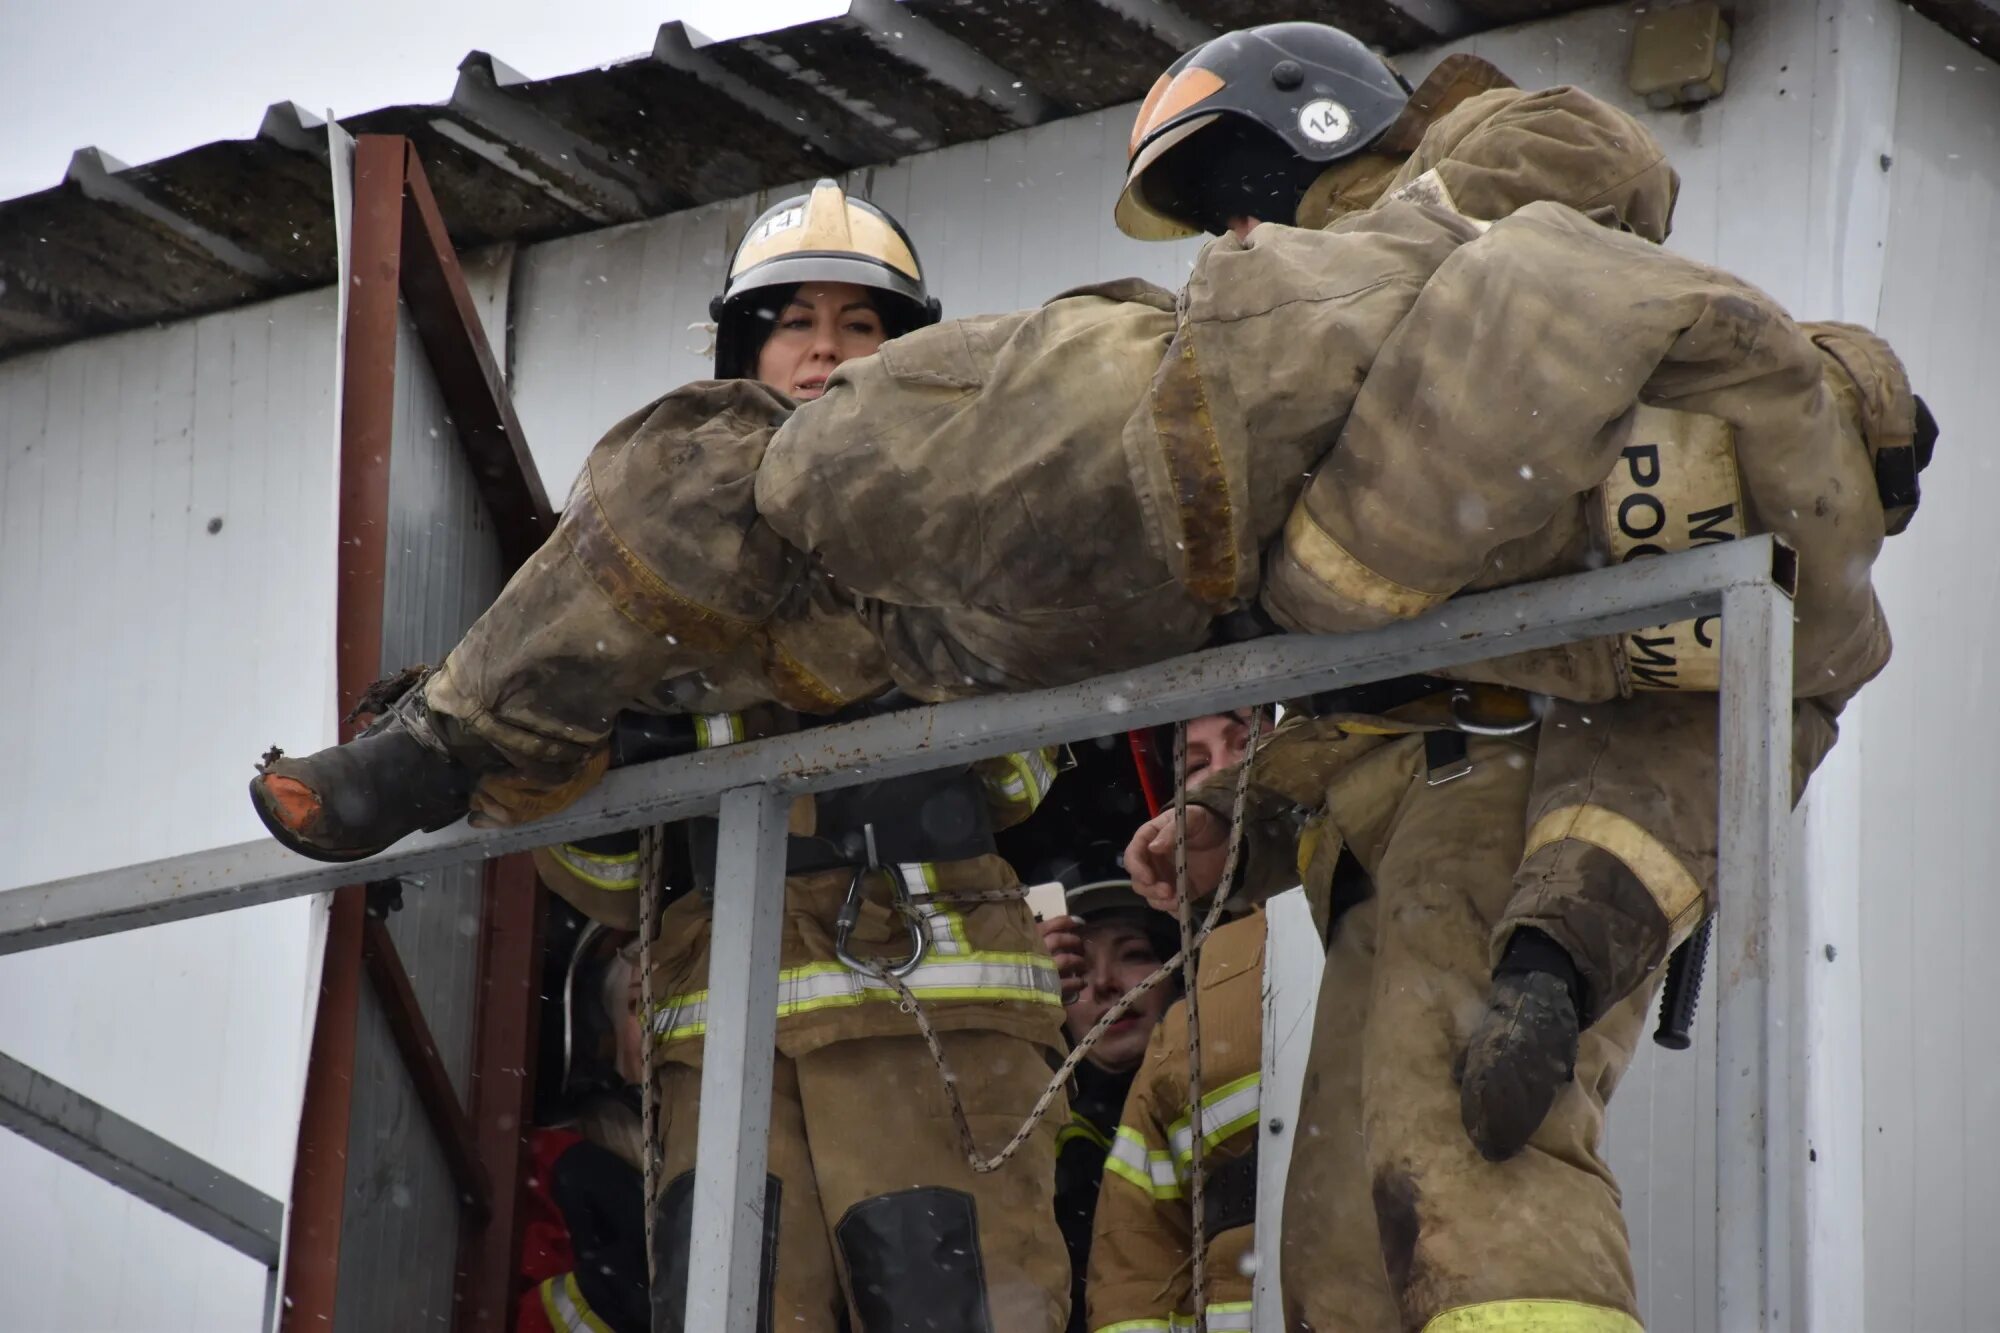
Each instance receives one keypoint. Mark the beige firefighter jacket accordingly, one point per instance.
(1140, 1244)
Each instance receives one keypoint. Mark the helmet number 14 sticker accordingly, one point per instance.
(1325, 121)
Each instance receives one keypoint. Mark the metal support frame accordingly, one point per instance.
(140, 1162)
(1761, 1230)
(1760, 1107)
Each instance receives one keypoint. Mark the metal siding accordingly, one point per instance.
(398, 1236)
(150, 660)
(1930, 842)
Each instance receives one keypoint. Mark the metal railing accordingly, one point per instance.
(1761, 1224)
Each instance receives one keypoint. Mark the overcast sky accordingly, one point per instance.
(143, 79)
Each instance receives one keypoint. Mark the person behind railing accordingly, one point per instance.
(1138, 1255)
(899, 875)
(583, 1241)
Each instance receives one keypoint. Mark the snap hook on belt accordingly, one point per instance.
(850, 915)
(1460, 698)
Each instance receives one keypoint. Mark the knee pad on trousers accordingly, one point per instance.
(913, 1262)
(673, 1236)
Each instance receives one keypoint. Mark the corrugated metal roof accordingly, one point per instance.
(511, 158)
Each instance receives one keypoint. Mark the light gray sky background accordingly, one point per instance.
(142, 79)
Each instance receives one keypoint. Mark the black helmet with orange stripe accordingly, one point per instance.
(825, 236)
(1243, 124)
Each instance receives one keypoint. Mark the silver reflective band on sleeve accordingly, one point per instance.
(1149, 1169)
(1223, 1317)
(1229, 1109)
(713, 729)
(1027, 778)
(945, 925)
(617, 874)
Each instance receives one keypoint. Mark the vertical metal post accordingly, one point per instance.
(1759, 1108)
(732, 1142)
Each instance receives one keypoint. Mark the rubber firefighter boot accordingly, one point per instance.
(351, 801)
(1523, 1052)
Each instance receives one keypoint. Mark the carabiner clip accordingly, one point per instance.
(850, 915)
(1460, 722)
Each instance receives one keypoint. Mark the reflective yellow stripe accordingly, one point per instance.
(1135, 1326)
(1081, 1128)
(1534, 1317)
(618, 874)
(1676, 891)
(1228, 1110)
(715, 729)
(1324, 559)
(1223, 1317)
(1026, 778)
(568, 1312)
(1020, 977)
(1133, 1161)
(946, 925)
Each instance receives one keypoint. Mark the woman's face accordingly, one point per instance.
(824, 324)
(1118, 956)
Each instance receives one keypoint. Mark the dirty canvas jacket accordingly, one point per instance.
(1022, 500)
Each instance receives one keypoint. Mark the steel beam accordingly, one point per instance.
(503, 1093)
(1469, 629)
(1760, 1121)
(468, 374)
(737, 1053)
(140, 1162)
(367, 429)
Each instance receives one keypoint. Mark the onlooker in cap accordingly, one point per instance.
(1121, 942)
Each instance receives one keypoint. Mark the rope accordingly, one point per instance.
(652, 877)
(1183, 912)
(1180, 962)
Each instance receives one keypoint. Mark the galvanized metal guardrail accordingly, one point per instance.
(1761, 1222)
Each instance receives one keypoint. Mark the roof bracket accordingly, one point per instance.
(531, 147)
(96, 173)
(914, 40)
(289, 125)
(1161, 18)
(678, 47)
(1444, 19)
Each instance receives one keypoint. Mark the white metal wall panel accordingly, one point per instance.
(400, 1229)
(1930, 842)
(146, 662)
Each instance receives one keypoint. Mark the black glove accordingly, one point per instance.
(1524, 1050)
